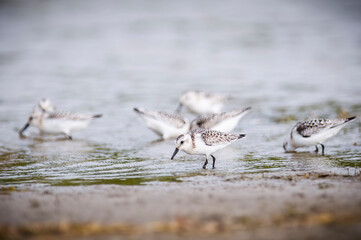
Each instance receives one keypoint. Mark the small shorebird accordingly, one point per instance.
(223, 122)
(313, 132)
(204, 142)
(200, 102)
(166, 125)
(58, 122)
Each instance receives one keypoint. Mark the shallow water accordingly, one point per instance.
(290, 61)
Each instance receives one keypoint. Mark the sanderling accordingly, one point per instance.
(166, 125)
(201, 102)
(58, 122)
(46, 105)
(204, 142)
(223, 122)
(313, 132)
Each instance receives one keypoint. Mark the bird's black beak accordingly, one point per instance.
(179, 108)
(175, 153)
(24, 128)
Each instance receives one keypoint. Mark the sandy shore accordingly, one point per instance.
(252, 206)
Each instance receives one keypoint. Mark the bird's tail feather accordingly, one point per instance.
(345, 121)
(241, 136)
(247, 109)
(350, 119)
(97, 115)
(138, 110)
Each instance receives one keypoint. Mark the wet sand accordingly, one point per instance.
(252, 206)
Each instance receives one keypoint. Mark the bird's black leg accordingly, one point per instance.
(323, 149)
(205, 163)
(316, 151)
(214, 161)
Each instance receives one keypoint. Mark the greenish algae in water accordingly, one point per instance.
(115, 181)
(346, 159)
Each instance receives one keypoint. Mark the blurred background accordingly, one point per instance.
(290, 60)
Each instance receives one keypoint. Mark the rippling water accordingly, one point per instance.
(290, 61)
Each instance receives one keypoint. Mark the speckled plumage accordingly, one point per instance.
(314, 126)
(69, 116)
(212, 138)
(214, 121)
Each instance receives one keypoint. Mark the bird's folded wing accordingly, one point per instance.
(212, 138)
(170, 118)
(68, 116)
(311, 127)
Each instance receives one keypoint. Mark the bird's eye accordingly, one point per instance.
(181, 142)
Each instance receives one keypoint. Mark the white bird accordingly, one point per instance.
(200, 102)
(204, 142)
(223, 122)
(313, 132)
(166, 125)
(58, 122)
